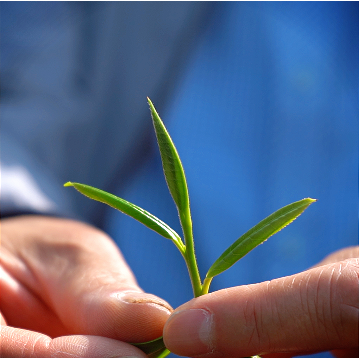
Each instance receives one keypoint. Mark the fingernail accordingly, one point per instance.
(189, 332)
(144, 298)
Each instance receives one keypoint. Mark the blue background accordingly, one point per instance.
(266, 114)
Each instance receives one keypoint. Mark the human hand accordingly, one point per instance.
(66, 280)
(313, 311)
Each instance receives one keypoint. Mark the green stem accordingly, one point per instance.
(206, 283)
(190, 256)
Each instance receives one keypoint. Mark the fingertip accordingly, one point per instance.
(129, 316)
(189, 332)
(133, 297)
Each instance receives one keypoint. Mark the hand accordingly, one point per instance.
(66, 280)
(316, 310)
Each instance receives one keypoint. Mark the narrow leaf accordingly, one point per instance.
(154, 348)
(257, 235)
(172, 166)
(130, 209)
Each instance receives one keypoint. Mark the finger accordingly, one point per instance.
(35, 314)
(78, 274)
(312, 311)
(2, 319)
(346, 353)
(342, 254)
(22, 343)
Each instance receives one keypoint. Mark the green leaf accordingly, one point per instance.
(131, 210)
(172, 166)
(177, 184)
(257, 235)
(154, 348)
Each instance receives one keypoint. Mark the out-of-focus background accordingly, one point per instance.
(264, 114)
(260, 98)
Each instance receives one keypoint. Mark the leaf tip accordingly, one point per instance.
(150, 102)
(68, 184)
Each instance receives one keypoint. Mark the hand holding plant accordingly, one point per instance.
(66, 291)
(176, 181)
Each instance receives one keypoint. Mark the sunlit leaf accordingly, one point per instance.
(130, 209)
(172, 166)
(154, 348)
(257, 235)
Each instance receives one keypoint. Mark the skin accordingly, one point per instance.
(68, 288)
(313, 311)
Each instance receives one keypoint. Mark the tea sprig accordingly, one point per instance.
(177, 184)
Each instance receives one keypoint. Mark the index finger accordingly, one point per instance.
(312, 311)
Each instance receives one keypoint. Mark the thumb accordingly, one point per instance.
(72, 274)
(312, 311)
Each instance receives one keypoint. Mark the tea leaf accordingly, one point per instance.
(177, 184)
(257, 235)
(172, 166)
(131, 210)
(154, 348)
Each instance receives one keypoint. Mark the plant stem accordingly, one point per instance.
(206, 283)
(190, 257)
